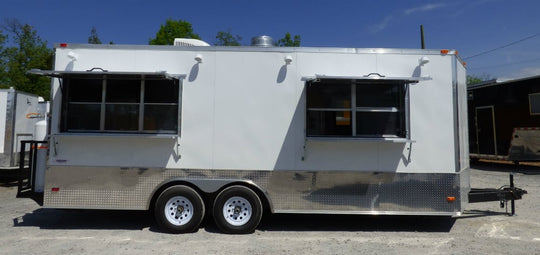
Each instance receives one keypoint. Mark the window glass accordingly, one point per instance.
(329, 123)
(534, 100)
(376, 108)
(122, 117)
(378, 124)
(160, 91)
(160, 118)
(83, 117)
(85, 109)
(85, 90)
(329, 95)
(378, 95)
(123, 91)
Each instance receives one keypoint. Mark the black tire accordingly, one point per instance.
(237, 210)
(179, 209)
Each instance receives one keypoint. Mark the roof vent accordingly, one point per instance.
(189, 42)
(262, 41)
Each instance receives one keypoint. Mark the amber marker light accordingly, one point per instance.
(450, 199)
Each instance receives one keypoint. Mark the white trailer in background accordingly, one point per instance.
(241, 130)
(19, 112)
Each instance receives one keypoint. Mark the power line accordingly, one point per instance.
(506, 64)
(504, 46)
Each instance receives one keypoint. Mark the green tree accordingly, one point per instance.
(93, 38)
(473, 79)
(29, 52)
(288, 41)
(3, 61)
(171, 30)
(227, 39)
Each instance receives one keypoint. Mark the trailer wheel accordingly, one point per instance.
(237, 210)
(179, 209)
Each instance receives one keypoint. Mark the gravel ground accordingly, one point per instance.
(483, 229)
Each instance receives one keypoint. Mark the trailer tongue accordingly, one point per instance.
(503, 195)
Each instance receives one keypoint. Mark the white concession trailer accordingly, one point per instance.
(19, 112)
(235, 131)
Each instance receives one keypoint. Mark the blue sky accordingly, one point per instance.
(469, 26)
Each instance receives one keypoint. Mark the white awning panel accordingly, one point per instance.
(107, 74)
(372, 77)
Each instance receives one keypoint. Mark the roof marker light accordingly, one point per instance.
(444, 51)
(63, 45)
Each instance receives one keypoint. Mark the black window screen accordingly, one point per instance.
(352, 108)
(379, 95)
(87, 90)
(129, 104)
(123, 91)
(160, 102)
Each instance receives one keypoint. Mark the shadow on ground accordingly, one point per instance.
(138, 220)
(85, 219)
(360, 223)
(319, 222)
(8, 179)
(481, 213)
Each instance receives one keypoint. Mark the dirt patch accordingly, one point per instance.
(484, 228)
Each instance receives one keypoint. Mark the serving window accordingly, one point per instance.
(120, 104)
(357, 108)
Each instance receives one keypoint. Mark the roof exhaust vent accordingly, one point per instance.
(189, 42)
(262, 41)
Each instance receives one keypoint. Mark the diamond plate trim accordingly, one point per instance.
(288, 191)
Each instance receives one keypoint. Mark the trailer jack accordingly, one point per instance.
(502, 194)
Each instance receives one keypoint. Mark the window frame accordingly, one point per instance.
(536, 96)
(65, 79)
(353, 82)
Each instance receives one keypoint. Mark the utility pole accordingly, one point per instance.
(422, 36)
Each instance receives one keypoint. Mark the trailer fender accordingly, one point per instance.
(209, 186)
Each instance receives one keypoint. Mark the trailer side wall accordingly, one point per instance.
(3, 119)
(243, 118)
